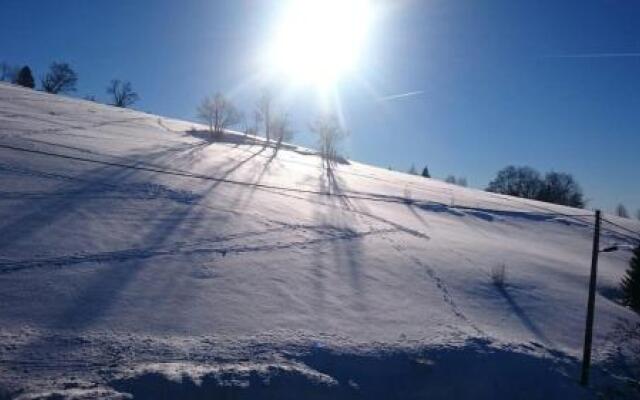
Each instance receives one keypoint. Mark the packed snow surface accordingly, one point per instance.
(140, 259)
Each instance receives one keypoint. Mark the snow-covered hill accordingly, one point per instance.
(139, 259)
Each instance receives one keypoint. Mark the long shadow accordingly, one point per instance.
(345, 253)
(93, 180)
(410, 206)
(244, 198)
(522, 315)
(102, 287)
(237, 166)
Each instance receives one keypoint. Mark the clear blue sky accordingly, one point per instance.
(551, 84)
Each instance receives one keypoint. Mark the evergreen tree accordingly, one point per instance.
(425, 172)
(631, 283)
(25, 78)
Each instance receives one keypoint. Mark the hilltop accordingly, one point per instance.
(137, 257)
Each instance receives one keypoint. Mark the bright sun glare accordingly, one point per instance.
(318, 41)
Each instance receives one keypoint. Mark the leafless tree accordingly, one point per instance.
(412, 170)
(462, 181)
(60, 79)
(244, 123)
(638, 215)
(281, 129)
(219, 113)
(257, 122)
(8, 72)
(264, 110)
(330, 133)
(621, 211)
(121, 93)
(451, 179)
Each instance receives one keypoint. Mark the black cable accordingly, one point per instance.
(354, 194)
(622, 227)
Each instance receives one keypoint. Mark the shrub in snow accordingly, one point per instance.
(498, 275)
(631, 283)
(219, 113)
(121, 93)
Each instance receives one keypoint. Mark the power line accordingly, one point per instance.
(622, 227)
(358, 195)
(345, 194)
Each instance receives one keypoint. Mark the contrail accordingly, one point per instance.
(401, 95)
(595, 55)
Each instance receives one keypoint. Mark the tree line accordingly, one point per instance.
(525, 182)
(62, 79)
(555, 187)
(220, 114)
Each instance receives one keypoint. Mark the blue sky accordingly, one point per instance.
(551, 84)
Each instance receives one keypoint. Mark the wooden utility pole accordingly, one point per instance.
(588, 332)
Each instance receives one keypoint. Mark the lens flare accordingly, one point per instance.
(318, 42)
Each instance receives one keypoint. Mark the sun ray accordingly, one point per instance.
(318, 42)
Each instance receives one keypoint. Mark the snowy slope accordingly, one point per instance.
(136, 255)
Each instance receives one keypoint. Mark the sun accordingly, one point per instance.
(317, 42)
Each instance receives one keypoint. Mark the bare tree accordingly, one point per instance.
(462, 181)
(517, 181)
(451, 179)
(526, 182)
(561, 188)
(281, 129)
(330, 133)
(121, 93)
(638, 215)
(8, 72)
(257, 121)
(412, 170)
(264, 109)
(621, 211)
(60, 79)
(244, 123)
(218, 113)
